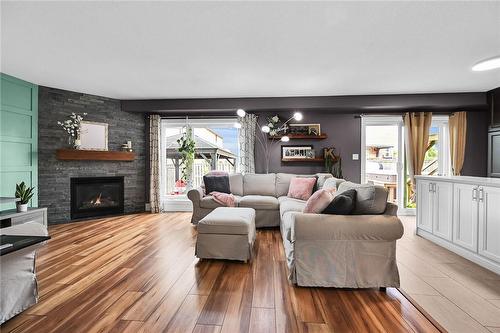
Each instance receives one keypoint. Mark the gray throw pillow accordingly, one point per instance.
(216, 183)
(370, 199)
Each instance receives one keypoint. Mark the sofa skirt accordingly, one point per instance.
(344, 263)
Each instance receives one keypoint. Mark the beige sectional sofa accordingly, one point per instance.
(346, 251)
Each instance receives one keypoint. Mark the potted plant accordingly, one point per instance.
(187, 150)
(333, 162)
(24, 194)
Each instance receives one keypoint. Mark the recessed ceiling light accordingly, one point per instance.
(486, 65)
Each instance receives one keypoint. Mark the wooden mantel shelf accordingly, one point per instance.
(93, 155)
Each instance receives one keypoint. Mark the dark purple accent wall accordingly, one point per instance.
(476, 146)
(344, 133)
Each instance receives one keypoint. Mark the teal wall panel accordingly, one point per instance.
(15, 124)
(18, 136)
(16, 93)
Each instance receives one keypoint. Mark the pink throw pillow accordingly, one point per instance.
(301, 188)
(319, 201)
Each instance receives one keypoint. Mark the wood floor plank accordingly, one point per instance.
(262, 320)
(127, 326)
(237, 316)
(263, 293)
(169, 305)
(206, 329)
(286, 317)
(225, 286)
(138, 273)
(187, 315)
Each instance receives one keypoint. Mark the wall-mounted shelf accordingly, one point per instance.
(301, 137)
(313, 160)
(93, 155)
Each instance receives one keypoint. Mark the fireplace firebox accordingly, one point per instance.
(96, 196)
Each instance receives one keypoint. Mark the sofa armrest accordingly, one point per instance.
(195, 196)
(346, 227)
(391, 209)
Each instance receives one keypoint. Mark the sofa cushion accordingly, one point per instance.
(216, 183)
(283, 182)
(322, 177)
(319, 200)
(209, 202)
(228, 221)
(370, 199)
(332, 182)
(290, 205)
(342, 204)
(301, 188)
(236, 183)
(260, 202)
(259, 184)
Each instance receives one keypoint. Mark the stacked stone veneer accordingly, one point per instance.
(54, 175)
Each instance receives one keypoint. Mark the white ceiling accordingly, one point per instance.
(135, 50)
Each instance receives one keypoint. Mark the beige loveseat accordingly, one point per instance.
(346, 251)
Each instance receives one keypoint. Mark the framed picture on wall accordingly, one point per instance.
(297, 152)
(93, 136)
(305, 129)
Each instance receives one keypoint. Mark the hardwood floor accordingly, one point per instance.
(460, 295)
(138, 273)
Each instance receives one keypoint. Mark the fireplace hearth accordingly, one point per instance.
(96, 196)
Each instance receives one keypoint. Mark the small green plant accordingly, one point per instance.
(24, 193)
(187, 151)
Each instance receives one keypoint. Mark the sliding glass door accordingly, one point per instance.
(383, 159)
(216, 147)
(382, 155)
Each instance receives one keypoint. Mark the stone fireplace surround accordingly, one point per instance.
(54, 176)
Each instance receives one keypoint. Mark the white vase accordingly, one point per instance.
(22, 208)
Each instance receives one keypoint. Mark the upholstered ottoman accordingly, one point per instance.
(226, 233)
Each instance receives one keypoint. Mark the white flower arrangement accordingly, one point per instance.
(72, 125)
(273, 124)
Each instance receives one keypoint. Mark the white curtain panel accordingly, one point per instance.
(247, 143)
(154, 161)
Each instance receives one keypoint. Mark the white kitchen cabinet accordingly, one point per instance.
(435, 205)
(465, 216)
(424, 205)
(461, 214)
(489, 222)
(442, 210)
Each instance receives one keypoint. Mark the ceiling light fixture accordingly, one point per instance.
(487, 64)
(298, 116)
(285, 138)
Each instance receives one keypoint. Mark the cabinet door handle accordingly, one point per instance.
(430, 187)
(474, 194)
(481, 194)
(434, 187)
